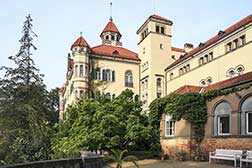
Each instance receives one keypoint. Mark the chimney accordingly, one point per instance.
(188, 47)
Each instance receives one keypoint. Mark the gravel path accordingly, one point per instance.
(178, 164)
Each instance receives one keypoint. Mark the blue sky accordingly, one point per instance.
(58, 24)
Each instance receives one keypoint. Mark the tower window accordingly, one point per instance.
(157, 29)
(112, 37)
(107, 37)
(162, 30)
(81, 71)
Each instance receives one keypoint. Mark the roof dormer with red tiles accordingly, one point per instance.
(110, 34)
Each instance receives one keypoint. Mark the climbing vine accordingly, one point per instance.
(189, 106)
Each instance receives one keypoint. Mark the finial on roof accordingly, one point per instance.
(80, 33)
(110, 18)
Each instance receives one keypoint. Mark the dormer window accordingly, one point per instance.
(115, 52)
(201, 44)
(107, 37)
(112, 37)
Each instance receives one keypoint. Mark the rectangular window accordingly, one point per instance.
(157, 29)
(236, 44)
(169, 126)
(97, 74)
(86, 70)
(201, 60)
(188, 67)
(76, 71)
(211, 56)
(162, 30)
(243, 40)
(81, 71)
(229, 47)
(224, 125)
(206, 59)
(249, 123)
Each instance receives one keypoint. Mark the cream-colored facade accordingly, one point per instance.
(158, 68)
(107, 68)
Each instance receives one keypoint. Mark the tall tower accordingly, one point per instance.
(80, 56)
(154, 50)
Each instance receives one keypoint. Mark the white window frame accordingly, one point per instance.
(247, 123)
(218, 124)
(168, 120)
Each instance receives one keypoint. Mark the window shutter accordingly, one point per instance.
(113, 76)
(93, 74)
(104, 75)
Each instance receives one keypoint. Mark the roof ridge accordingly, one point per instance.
(213, 39)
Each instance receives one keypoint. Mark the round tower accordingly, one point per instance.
(80, 79)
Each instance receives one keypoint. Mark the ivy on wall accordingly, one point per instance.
(189, 106)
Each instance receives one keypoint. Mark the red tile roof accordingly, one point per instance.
(220, 85)
(160, 18)
(178, 49)
(80, 42)
(213, 39)
(111, 27)
(117, 52)
(230, 82)
(187, 88)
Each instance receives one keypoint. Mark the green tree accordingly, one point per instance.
(25, 106)
(102, 125)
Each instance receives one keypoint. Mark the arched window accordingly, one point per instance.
(246, 116)
(240, 70)
(128, 79)
(202, 83)
(209, 81)
(171, 76)
(81, 71)
(169, 126)
(231, 73)
(222, 119)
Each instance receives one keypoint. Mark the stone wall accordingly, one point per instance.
(209, 145)
(90, 162)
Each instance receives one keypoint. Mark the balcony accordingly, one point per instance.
(128, 84)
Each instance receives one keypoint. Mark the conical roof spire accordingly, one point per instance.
(80, 42)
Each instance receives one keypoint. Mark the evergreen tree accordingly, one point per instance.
(25, 106)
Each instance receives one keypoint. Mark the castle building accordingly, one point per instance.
(108, 68)
(158, 69)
